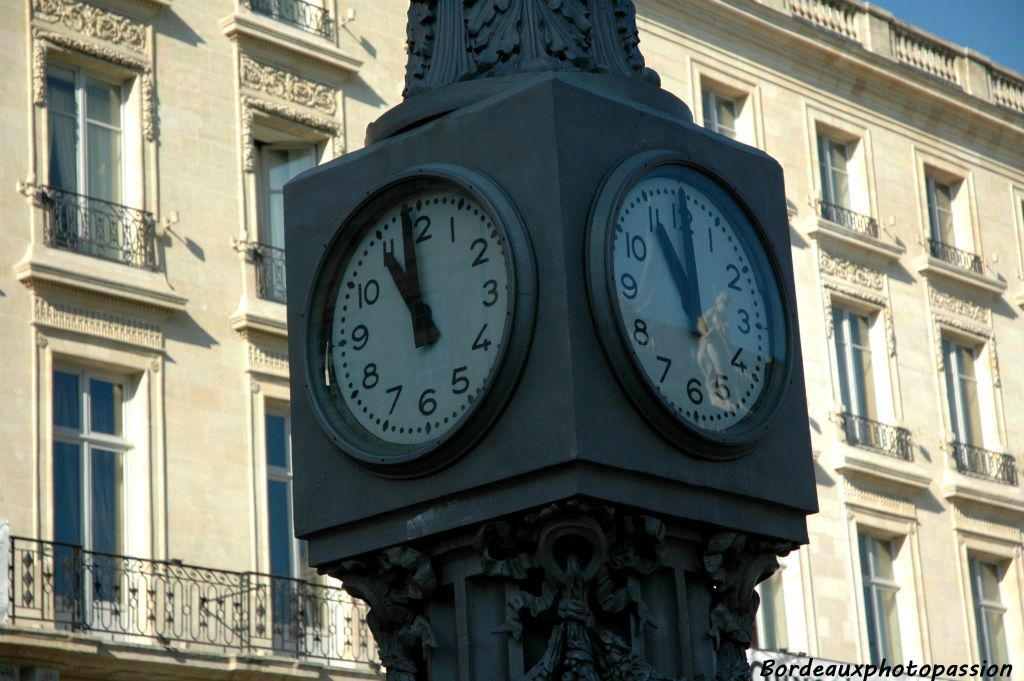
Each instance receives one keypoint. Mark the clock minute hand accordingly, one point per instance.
(678, 274)
(407, 281)
(691, 267)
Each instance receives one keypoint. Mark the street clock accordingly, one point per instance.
(688, 303)
(418, 326)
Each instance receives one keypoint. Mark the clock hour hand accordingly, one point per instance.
(407, 281)
(678, 274)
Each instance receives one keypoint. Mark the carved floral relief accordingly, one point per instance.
(84, 19)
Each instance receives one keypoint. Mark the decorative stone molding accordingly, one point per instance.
(450, 42)
(958, 305)
(287, 85)
(42, 40)
(836, 16)
(68, 317)
(878, 301)
(320, 123)
(396, 586)
(836, 266)
(592, 561)
(262, 359)
(985, 524)
(87, 20)
(879, 500)
(736, 563)
(926, 55)
(981, 333)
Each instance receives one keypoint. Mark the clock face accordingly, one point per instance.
(415, 318)
(697, 301)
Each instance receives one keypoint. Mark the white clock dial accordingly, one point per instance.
(697, 300)
(420, 318)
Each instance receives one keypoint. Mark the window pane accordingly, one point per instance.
(883, 550)
(63, 113)
(874, 641)
(774, 613)
(989, 575)
(105, 491)
(104, 171)
(709, 116)
(277, 441)
(280, 528)
(862, 373)
(66, 400)
(890, 622)
(67, 493)
(103, 102)
(105, 401)
(726, 113)
(997, 637)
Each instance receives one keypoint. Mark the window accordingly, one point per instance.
(876, 564)
(720, 113)
(278, 164)
(88, 452)
(988, 611)
(771, 620)
(86, 172)
(290, 601)
(852, 332)
(940, 211)
(286, 553)
(834, 159)
(962, 392)
(949, 224)
(85, 134)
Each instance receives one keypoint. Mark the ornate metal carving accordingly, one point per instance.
(736, 563)
(396, 587)
(451, 41)
(591, 560)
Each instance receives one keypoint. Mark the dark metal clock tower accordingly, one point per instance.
(547, 392)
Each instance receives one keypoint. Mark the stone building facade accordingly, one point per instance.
(144, 453)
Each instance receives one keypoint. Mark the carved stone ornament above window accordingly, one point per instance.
(86, 20)
(958, 305)
(288, 86)
(849, 271)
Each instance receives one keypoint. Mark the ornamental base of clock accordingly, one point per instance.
(577, 590)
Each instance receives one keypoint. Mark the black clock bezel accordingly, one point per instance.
(612, 334)
(377, 455)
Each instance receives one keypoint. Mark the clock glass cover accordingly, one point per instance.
(697, 302)
(411, 318)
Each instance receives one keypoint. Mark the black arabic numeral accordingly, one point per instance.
(736, 276)
(398, 393)
(745, 322)
(481, 343)
(491, 286)
(423, 224)
(739, 365)
(360, 337)
(640, 334)
(693, 391)
(628, 286)
(369, 293)
(668, 365)
(427, 403)
(720, 387)
(461, 382)
(479, 259)
(370, 376)
(636, 247)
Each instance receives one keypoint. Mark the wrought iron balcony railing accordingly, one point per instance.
(270, 272)
(851, 220)
(305, 15)
(955, 256)
(982, 463)
(99, 228)
(130, 599)
(881, 437)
